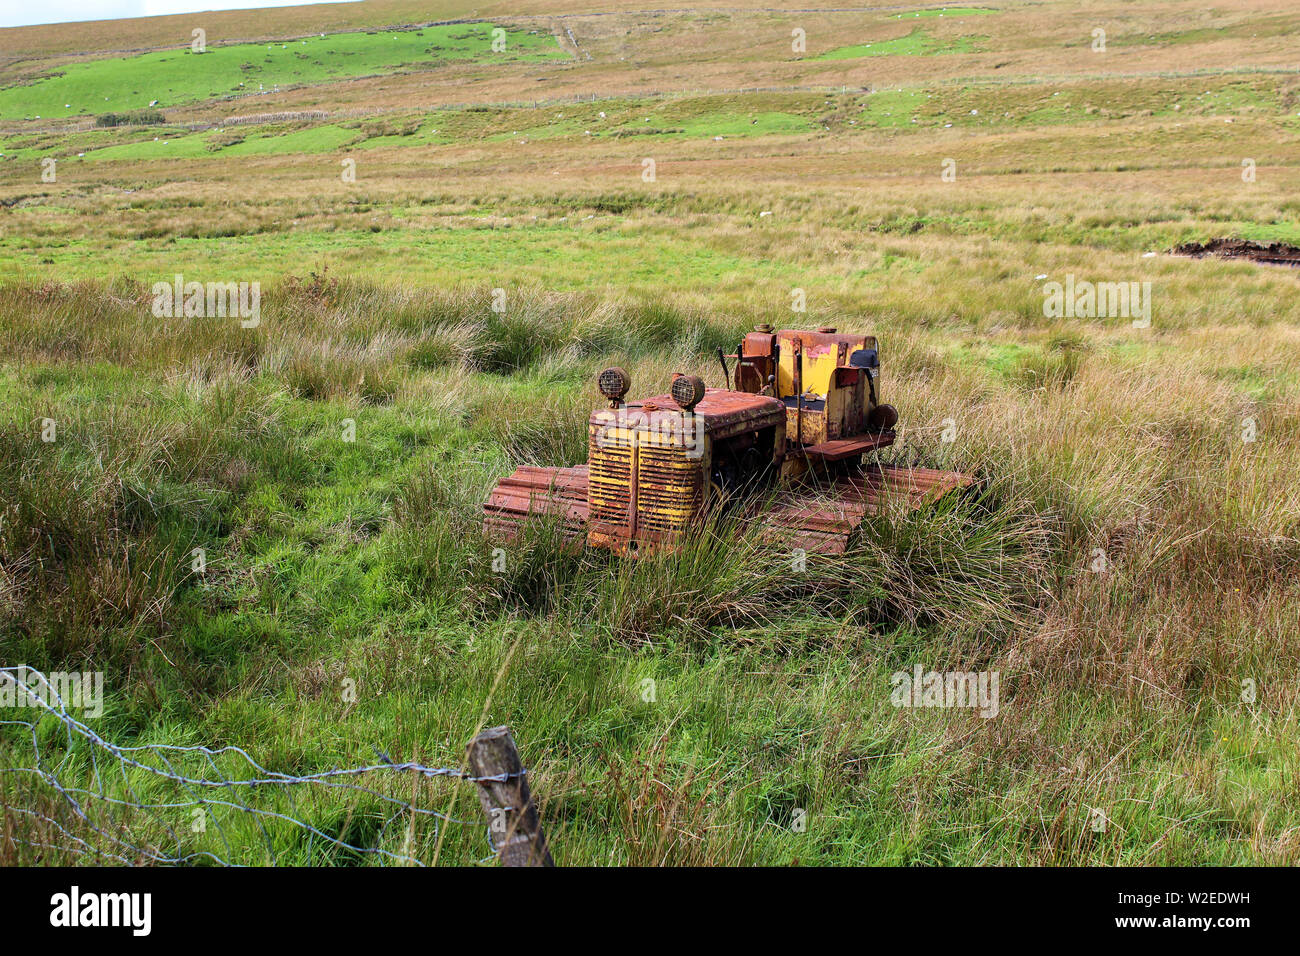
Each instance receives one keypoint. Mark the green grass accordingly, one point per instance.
(162, 144)
(915, 43)
(725, 124)
(324, 552)
(256, 141)
(892, 108)
(176, 77)
(1275, 25)
(687, 118)
(313, 139)
(1288, 232)
(1034, 106)
(1261, 385)
(950, 12)
(752, 124)
(332, 560)
(446, 127)
(562, 254)
(704, 117)
(577, 242)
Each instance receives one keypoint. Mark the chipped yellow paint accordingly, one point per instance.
(819, 364)
(668, 490)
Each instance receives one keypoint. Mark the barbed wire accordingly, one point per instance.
(115, 815)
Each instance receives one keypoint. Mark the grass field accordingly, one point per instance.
(920, 181)
(915, 43)
(174, 77)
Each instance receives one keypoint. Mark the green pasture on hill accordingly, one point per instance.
(916, 43)
(174, 77)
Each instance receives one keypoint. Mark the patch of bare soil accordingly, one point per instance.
(1274, 253)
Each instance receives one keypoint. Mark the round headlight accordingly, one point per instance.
(614, 383)
(687, 390)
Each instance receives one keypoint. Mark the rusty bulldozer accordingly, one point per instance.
(786, 442)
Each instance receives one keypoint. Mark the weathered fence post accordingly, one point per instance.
(503, 792)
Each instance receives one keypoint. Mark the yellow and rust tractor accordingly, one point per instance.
(789, 436)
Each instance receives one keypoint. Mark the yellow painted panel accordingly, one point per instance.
(818, 366)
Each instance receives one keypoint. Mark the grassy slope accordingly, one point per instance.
(914, 43)
(183, 76)
(332, 560)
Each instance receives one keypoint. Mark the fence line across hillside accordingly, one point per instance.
(132, 804)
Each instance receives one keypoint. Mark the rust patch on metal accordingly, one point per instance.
(840, 449)
(825, 524)
(530, 491)
(722, 410)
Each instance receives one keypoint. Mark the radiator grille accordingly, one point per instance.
(609, 482)
(669, 486)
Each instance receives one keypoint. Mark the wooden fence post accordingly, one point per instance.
(503, 792)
